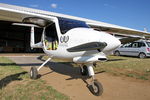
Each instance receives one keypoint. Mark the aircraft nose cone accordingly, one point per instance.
(111, 41)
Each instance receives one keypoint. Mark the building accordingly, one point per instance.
(16, 39)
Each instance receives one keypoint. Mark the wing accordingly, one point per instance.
(18, 14)
(116, 29)
(22, 14)
(129, 39)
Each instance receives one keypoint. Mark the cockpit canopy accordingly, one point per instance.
(68, 24)
(64, 23)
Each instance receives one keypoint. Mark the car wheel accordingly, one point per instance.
(117, 53)
(142, 55)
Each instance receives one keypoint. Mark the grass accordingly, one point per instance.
(127, 66)
(15, 84)
(122, 66)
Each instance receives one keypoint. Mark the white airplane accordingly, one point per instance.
(69, 37)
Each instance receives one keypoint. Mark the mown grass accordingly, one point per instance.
(127, 66)
(121, 65)
(15, 84)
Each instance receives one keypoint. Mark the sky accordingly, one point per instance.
(128, 13)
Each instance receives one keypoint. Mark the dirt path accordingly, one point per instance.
(67, 80)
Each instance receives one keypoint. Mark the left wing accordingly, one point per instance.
(129, 39)
(116, 29)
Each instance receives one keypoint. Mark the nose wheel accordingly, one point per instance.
(95, 86)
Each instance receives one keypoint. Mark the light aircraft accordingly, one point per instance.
(81, 40)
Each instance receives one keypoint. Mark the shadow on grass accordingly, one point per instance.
(7, 64)
(8, 79)
(132, 56)
(23, 65)
(27, 65)
(115, 59)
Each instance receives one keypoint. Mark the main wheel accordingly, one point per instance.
(33, 73)
(84, 71)
(96, 88)
(142, 55)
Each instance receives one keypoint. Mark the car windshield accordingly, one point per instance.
(126, 45)
(148, 43)
(67, 24)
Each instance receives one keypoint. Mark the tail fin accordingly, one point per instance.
(32, 39)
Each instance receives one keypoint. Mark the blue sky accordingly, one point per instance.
(129, 13)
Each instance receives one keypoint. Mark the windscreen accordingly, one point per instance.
(67, 24)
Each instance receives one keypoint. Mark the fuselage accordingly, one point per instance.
(80, 35)
(62, 34)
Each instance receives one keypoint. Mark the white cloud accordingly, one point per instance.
(53, 5)
(110, 6)
(34, 5)
(106, 4)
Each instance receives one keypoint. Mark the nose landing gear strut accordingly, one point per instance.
(95, 86)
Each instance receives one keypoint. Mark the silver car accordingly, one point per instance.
(140, 49)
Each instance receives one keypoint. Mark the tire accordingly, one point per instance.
(98, 88)
(142, 55)
(84, 71)
(33, 73)
(117, 53)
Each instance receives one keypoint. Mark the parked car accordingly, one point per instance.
(140, 49)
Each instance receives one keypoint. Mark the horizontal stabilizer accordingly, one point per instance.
(88, 46)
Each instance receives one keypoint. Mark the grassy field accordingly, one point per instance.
(122, 66)
(126, 66)
(15, 84)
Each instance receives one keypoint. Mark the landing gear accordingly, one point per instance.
(95, 87)
(84, 70)
(34, 71)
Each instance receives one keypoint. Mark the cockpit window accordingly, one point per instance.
(67, 24)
